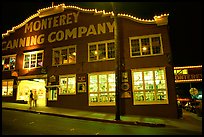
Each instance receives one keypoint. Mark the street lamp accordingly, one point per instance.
(118, 62)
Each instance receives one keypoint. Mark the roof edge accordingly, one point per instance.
(159, 20)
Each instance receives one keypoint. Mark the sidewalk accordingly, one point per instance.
(190, 121)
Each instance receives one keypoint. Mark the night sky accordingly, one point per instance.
(184, 21)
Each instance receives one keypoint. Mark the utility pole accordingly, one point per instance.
(118, 63)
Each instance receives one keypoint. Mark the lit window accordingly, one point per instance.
(67, 85)
(149, 86)
(102, 89)
(33, 59)
(146, 45)
(52, 93)
(104, 50)
(64, 55)
(8, 62)
(7, 87)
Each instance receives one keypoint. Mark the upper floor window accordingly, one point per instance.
(8, 62)
(146, 45)
(64, 55)
(33, 59)
(67, 84)
(103, 50)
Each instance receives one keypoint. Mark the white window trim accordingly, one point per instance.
(13, 55)
(61, 48)
(152, 102)
(97, 43)
(7, 87)
(100, 103)
(29, 53)
(146, 36)
(67, 76)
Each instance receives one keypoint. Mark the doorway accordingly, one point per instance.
(24, 87)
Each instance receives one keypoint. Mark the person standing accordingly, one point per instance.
(30, 99)
(35, 98)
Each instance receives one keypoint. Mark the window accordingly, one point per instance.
(146, 45)
(8, 62)
(67, 85)
(149, 86)
(103, 50)
(64, 55)
(33, 59)
(52, 93)
(7, 87)
(101, 89)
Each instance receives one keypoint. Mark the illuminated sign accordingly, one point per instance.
(188, 76)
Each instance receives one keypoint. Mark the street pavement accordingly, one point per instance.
(189, 121)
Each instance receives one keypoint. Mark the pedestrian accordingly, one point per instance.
(35, 98)
(30, 99)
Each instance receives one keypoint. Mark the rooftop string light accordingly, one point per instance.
(159, 20)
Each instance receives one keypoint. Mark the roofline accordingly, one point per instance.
(159, 20)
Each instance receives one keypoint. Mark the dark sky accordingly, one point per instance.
(184, 21)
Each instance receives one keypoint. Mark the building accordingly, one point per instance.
(67, 54)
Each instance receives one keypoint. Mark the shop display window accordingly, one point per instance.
(101, 89)
(103, 50)
(7, 87)
(8, 62)
(93, 97)
(67, 85)
(146, 45)
(52, 93)
(149, 86)
(138, 96)
(150, 95)
(33, 59)
(64, 55)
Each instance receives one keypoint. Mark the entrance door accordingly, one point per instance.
(25, 86)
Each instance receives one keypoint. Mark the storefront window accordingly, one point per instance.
(8, 62)
(146, 45)
(7, 87)
(64, 55)
(33, 59)
(67, 85)
(149, 86)
(102, 89)
(52, 93)
(103, 50)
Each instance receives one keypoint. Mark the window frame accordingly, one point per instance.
(67, 84)
(8, 56)
(155, 90)
(150, 45)
(97, 49)
(60, 49)
(30, 59)
(7, 80)
(98, 92)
